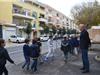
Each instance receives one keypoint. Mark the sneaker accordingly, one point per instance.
(35, 70)
(86, 71)
(82, 68)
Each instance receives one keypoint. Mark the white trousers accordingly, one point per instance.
(50, 52)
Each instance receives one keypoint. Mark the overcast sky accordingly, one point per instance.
(63, 6)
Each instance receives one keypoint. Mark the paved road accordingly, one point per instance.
(16, 53)
(57, 67)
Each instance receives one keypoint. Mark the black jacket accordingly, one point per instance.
(26, 50)
(34, 51)
(4, 56)
(84, 40)
(65, 45)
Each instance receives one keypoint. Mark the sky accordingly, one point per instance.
(64, 6)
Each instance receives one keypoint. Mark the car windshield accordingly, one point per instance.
(13, 36)
(43, 36)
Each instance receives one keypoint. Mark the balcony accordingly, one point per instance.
(58, 23)
(43, 20)
(21, 27)
(22, 14)
(50, 21)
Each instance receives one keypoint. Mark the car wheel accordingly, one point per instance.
(17, 41)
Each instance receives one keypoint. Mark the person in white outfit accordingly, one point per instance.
(50, 48)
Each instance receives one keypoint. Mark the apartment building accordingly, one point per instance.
(14, 14)
(57, 19)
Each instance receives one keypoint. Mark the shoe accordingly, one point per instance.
(46, 59)
(22, 67)
(41, 63)
(86, 71)
(35, 70)
(82, 68)
(65, 61)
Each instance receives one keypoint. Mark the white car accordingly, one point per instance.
(17, 39)
(44, 38)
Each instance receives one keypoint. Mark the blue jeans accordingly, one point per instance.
(34, 64)
(85, 59)
(27, 62)
(65, 55)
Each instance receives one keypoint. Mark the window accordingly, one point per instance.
(13, 36)
(34, 14)
(57, 14)
(41, 16)
(26, 12)
(34, 25)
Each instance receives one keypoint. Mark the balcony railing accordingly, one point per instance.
(43, 19)
(22, 12)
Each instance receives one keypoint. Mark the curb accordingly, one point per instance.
(94, 49)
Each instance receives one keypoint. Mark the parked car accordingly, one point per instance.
(44, 38)
(14, 38)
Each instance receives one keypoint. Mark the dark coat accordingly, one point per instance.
(34, 51)
(71, 42)
(4, 56)
(39, 46)
(26, 50)
(65, 46)
(84, 40)
(75, 42)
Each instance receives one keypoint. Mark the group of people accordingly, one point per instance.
(33, 51)
(73, 46)
(70, 45)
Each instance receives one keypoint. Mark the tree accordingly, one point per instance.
(59, 31)
(46, 29)
(28, 29)
(87, 13)
(54, 30)
(63, 31)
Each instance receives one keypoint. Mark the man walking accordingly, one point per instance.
(65, 47)
(84, 44)
(50, 48)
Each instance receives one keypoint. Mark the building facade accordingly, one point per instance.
(58, 19)
(16, 13)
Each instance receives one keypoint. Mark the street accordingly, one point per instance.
(16, 52)
(56, 67)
